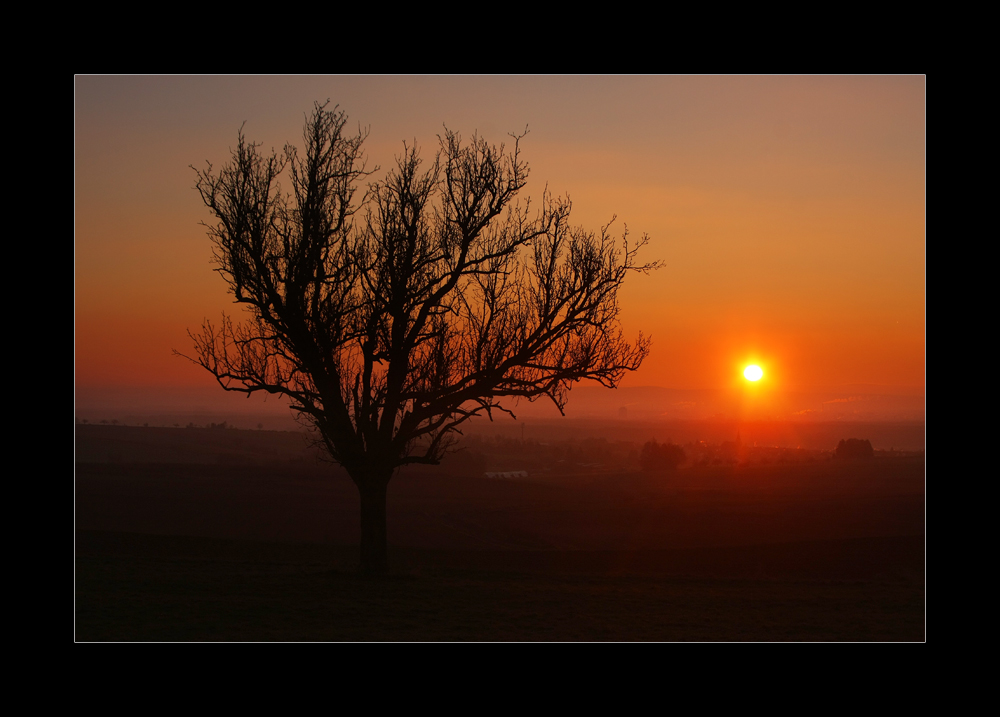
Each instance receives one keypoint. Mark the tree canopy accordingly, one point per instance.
(855, 448)
(661, 456)
(390, 316)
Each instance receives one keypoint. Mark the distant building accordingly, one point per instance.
(506, 474)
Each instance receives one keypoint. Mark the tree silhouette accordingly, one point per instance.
(855, 448)
(658, 457)
(391, 317)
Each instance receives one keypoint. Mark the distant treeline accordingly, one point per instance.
(500, 453)
(474, 454)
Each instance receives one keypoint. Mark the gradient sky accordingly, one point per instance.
(789, 211)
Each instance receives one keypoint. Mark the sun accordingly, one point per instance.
(753, 372)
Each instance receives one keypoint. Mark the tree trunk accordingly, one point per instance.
(374, 548)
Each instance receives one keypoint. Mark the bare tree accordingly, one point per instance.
(391, 318)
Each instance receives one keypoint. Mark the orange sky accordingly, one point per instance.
(789, 211)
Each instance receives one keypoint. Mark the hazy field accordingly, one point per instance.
(201, 534)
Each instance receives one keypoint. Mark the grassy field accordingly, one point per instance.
(143, 587)
(200, 549)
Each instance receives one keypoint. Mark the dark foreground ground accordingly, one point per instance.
(145, 587)
(195, 550)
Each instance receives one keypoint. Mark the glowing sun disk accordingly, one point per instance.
(753, 373)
